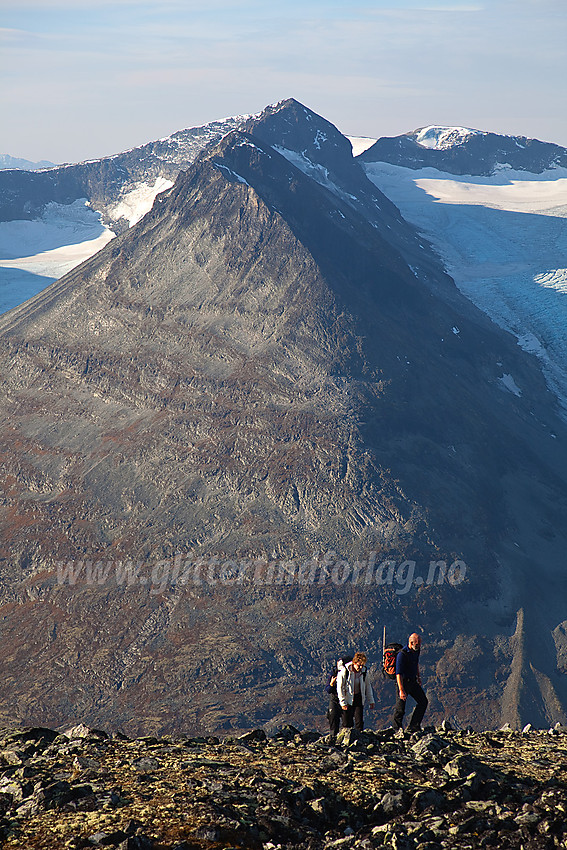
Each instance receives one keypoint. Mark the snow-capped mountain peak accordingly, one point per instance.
(441, 138)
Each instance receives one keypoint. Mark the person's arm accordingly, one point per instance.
(400, 665)
(331, 684)
(418, 676)
(370, 695)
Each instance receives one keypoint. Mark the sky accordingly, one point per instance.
(81, 80)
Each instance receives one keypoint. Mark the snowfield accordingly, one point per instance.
(35, 253)
(360, 144)
(503, 239)
(138, 201)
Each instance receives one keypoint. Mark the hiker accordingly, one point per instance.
(334, 713)
(354, 691)
(408, 683)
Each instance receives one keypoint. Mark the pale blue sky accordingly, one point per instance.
(81, 79)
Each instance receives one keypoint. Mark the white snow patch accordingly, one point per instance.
(248, 144)
(59, 261)
(317, 172)
(510, 384)
(514, 191)
(133, 205)
(555, 279)
(441, 138)
(232, 173)
(312, 169)
(360, 144)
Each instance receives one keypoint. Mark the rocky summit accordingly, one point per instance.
(256, 428)
(429, 791)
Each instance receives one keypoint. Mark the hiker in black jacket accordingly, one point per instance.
(408, 682)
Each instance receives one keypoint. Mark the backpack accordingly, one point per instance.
(346, 659)
(389, 660)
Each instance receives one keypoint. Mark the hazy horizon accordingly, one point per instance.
(84, 80)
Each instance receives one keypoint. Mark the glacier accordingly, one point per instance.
(503, 240)
(35, 253)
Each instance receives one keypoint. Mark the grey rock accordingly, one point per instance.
(81, 731)
(146, 764)
(394, 803)
(431, 799)
(136, 842)
(528, 819)
(460, 767)
(108, 839)
(256, 735)
(208, 833)
(429, 745)
(346, 737)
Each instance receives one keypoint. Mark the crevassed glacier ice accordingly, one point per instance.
(503, 239)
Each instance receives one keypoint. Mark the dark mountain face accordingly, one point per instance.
(245, 436)
(475, 153)
(24, 195)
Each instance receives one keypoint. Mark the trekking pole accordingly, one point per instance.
(383, 642)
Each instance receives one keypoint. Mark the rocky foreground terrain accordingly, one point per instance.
(436, 789)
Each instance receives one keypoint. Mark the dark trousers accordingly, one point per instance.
(334, 714)
(412, 689)
(354, 715)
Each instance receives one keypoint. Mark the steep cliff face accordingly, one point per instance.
(247, 434)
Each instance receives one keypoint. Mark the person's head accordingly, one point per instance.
(414, 642)
(359, 660)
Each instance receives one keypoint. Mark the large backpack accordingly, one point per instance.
(346, 659)
(389, 659)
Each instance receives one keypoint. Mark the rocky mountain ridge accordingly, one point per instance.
(105, 182)
(466, 152)
(438, 789)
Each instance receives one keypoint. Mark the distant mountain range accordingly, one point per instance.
(255, 428)
(12, 162)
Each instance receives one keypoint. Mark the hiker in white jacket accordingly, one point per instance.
(354, 691)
